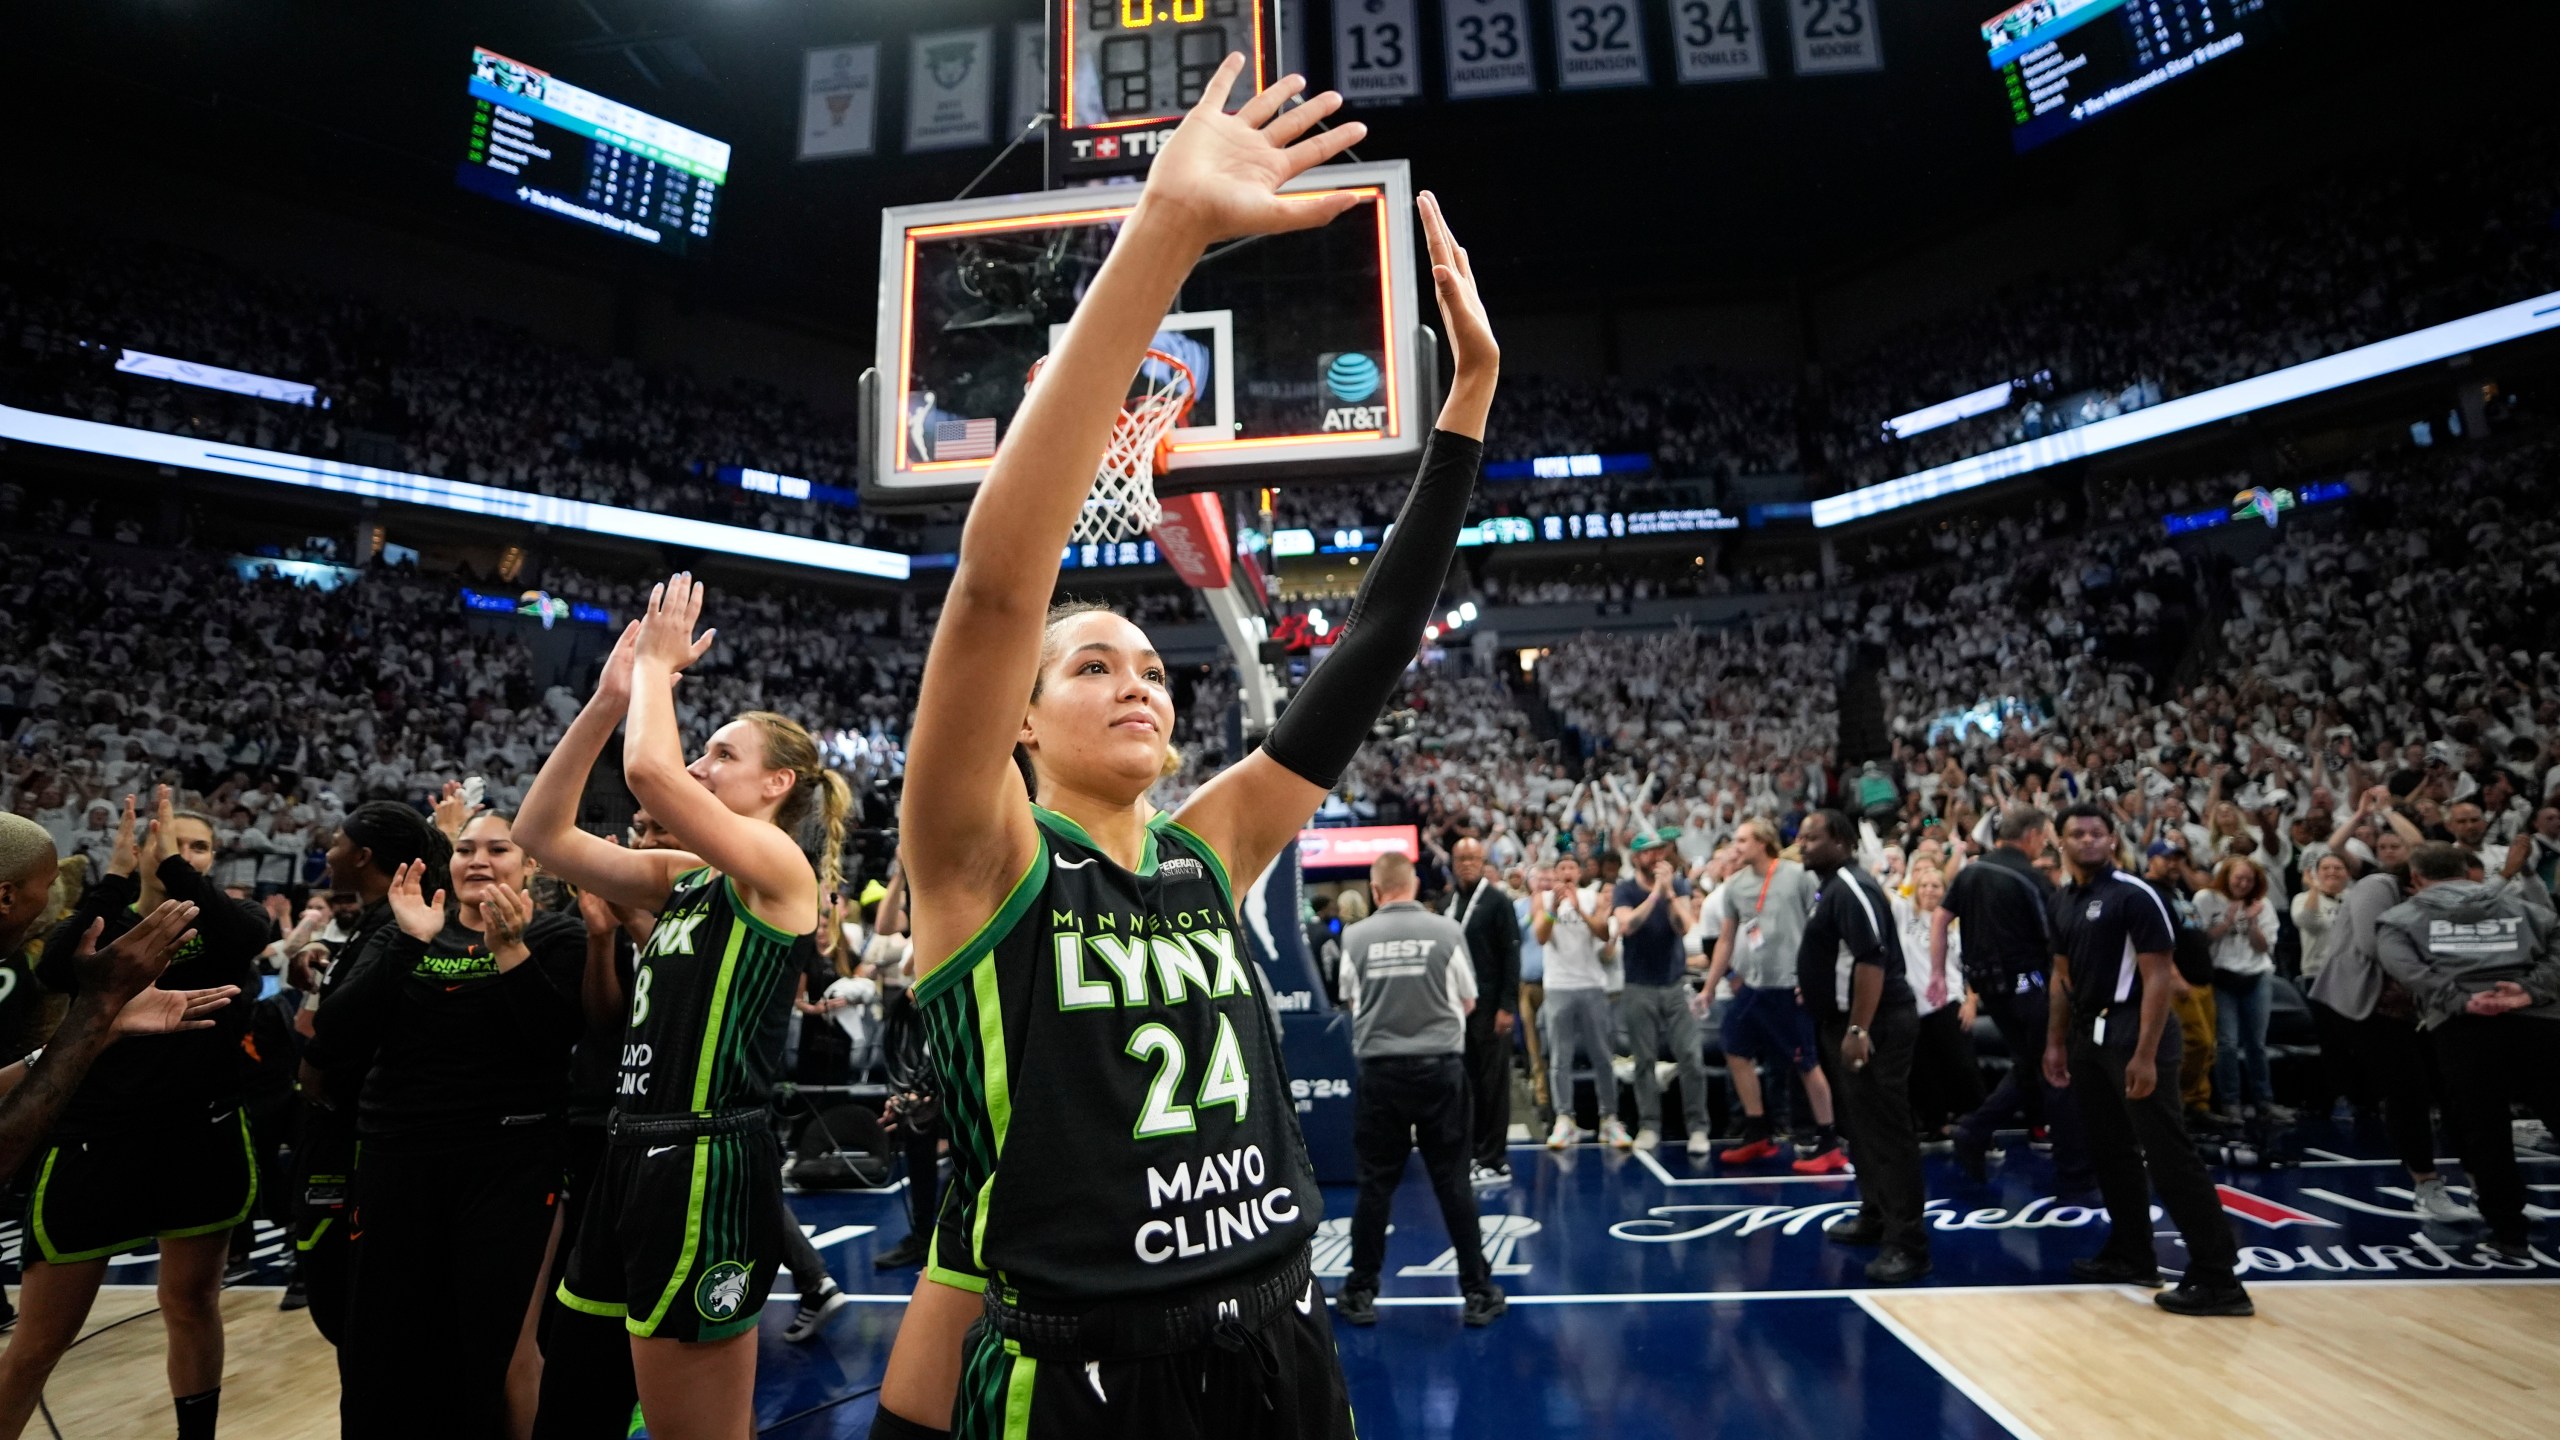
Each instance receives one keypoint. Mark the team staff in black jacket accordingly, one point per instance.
(375, 840)
(1483, 909)
(153, 1145)
(460, 1018)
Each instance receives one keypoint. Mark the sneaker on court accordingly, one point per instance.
(2275, 1114)
(906, 1254)
(1898, 1267)
(1648, 1139)
(295, 1297)
(1857, 1230)
(1613, 1133)
(2435, 1203)
(2515, 1247)
(1360, 1307)
(814, 1310)
(2108, 1270)
(1485, 1177)
(1565, 1133)
(1750, 1151)
(1699, 1145)
(1829, 1160)
(2227, 1297)
(1484, 1306)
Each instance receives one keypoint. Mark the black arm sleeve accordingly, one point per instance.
(1325, 725)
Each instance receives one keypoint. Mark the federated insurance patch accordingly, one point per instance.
(722, 1291)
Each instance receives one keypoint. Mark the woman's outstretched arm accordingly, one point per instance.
(1257, 806)
(971, 835)
(547, 823)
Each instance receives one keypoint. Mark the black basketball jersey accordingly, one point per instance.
(1112, 1083)
(710, 1005)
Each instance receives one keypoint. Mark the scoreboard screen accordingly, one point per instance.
(537, 141)
(1127, 70)
(2063, 63)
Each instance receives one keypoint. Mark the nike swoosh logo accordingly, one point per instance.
(1307, 1301)
(1063, 863)
(1093, 1377)
(661, 1150)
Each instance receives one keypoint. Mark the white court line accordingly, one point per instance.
(1963, 1383)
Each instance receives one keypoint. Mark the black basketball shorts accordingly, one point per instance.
(684, 1233)
(106, 1196)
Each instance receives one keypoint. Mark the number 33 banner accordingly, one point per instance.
(1833, 36)
(1377, 53)
(1488, 48)
(1599, 43)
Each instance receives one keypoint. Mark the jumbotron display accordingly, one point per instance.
(1126, 70)
(2063, 63)
(545, 144)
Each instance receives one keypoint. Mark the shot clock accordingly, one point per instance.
(1126, 70)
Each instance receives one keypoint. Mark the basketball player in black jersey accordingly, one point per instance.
(1131, 1198)
(681, 1243)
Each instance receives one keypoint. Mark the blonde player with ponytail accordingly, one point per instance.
(680, 1243)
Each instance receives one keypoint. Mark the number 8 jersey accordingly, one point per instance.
(1119, 1120)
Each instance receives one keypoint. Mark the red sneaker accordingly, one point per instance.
(1829, 1162)
(1749, 1151)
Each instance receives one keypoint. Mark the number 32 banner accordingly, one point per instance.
(1599, 43)
(1377, 51)
(1834, 36)
(1487, 43)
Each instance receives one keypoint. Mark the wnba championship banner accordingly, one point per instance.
(951, 89)
(839, 101)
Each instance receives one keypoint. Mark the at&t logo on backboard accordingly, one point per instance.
(1352, 384)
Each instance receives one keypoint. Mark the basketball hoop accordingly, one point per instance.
(1122, 504)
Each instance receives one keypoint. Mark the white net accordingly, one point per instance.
(1122, 504)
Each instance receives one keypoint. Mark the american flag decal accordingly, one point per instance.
(964, 439)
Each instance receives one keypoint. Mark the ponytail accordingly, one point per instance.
(835, 810)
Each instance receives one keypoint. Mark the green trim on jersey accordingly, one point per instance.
(739, 904)
(710, 1056)
(692, 1233)
(44, 1240)
(1018, 1392)
(584, 1306)
(1077, 833)
(935, 1271)
(1017, 903)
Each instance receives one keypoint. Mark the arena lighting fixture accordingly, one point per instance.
(1948, 412)
(1467, 611)
(2366, 362)
(179, 452)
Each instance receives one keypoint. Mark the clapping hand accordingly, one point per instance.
(503, 917)
(154, 1011)
(1218, 176)
(126, 857)
(665, 638)
(419, 918)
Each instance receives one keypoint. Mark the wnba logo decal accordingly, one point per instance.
(722, 1291)
(1352, 379)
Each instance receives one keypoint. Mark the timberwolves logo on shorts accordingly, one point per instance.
(1352, 382)
(722, 1291)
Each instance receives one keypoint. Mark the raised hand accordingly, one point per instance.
(126, 858)
(1217, 176)
(419, 918)
(130, 965)
(613, 685)
(1453, 277)
(503, 917)
(666, 639)
(155, 1011)
(454, 810)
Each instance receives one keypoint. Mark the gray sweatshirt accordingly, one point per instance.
(2458, 938)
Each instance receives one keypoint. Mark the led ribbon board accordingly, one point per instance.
(2366, 362)
(434, 492)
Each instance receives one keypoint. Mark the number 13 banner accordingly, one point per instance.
(1377, 51)
(1833, 36)
(1599, 43)
(1718, 40)
(1488, 48)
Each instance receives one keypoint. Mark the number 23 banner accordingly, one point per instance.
(1487, 44)
(1833, 36)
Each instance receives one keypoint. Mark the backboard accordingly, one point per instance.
(1306, 347)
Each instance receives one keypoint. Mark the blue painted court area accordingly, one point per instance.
(1656, 1297)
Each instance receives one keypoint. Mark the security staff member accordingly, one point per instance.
(1483, 909)
(1849, 967)
(1409, 986)
(2002, 901)
(2110, 1040)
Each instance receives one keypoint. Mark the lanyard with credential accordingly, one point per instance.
(1472, 897)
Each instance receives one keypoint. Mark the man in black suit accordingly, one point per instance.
(1482, 908)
